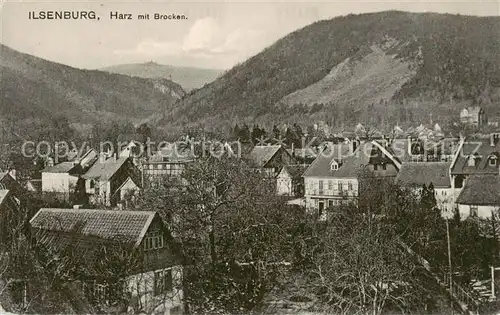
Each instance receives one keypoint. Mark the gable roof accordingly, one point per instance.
(105, 170)
(350, 162)
(483, 149)
(420, 173)
(261, 155)
(481, 190)
(129, 226)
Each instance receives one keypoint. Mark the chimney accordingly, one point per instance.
(114, 157)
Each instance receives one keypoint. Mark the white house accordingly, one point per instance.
(110, 179)
(480, 196)
(417, 174)
(332, 179)
(61, 178)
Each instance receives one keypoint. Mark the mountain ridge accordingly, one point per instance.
(454, 57)
(37, 89)
(189, 78)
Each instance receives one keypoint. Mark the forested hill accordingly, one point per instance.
(33, 91)
(387, 67)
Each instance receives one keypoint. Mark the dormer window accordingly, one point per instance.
(471, 162)
(334, 165)
(493, 161)
(474, 160)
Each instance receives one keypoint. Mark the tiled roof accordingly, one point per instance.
(63, 167)
(437, 173)
(105, 170)
(481, 190)
(351, 162)
(481, 148)
(129, 226)
(261, 155)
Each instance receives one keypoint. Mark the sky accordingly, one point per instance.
(215, 34)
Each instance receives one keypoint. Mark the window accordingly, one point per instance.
(493, 161)
(92, 184)
(330, 203)
(153, 241)
(473, 211)
(163, 281)
(340, 186)
(375, 167)
(100, 292)
(349, 186)
(384, 166)
(470, 162)
(330, 185)
(334, 165)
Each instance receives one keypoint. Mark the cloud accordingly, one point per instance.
(205, 39)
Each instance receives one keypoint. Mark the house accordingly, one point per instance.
(475, 156)
(474, 116)
(424, 150)
(289, 181)
(110, 179)
(480, 196)
(270, 158)
(416, 175)
(103, 238)
(62, 178)
(332, 179)
(168, 161)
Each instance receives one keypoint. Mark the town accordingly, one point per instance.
(250, 158)
(142, 229)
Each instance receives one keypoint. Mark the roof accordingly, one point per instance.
(107, 224)
(261, 155)
(481, 190)
(350, 161)
(482, 149)
(437, 173)
(105, 170)
(63, 167)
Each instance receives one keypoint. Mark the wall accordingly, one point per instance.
(330, 190)
(482, 211)
(58, 182)
(284, 184)
(142, 287)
